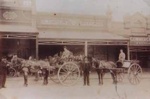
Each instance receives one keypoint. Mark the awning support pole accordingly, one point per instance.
(86, 48)
(37, 49)
(128, 51)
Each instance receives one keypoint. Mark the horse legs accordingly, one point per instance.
(114, 77)
(81, 73)
(98, 73)
(100, 76)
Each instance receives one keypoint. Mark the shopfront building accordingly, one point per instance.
(140, 50)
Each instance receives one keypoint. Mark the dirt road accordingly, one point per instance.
(35, 90)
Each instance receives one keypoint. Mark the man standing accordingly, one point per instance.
(46, 74)
(86, 67)
(3, 71)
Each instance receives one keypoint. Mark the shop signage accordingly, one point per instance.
(59, 21)
(16, 3)
(141, 41)
(8, 15)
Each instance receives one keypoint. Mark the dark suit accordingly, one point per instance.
(86, 67)
(3, 73)
(46, 74)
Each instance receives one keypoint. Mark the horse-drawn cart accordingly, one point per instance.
(68, 73)
(118, 70)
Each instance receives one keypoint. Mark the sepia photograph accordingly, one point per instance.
(74, 49)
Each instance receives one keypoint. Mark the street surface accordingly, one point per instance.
(35, 90)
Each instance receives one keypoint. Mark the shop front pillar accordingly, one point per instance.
(37, 48)
(86, 48)
(128, 51)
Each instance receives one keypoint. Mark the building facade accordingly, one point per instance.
(137, 28)
(27, 32)
(17, 28)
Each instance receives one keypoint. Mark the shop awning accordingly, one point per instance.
(93, 38)
(18, 35)
(81, 35)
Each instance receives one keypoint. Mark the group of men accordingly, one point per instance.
(4, 65)
(86, 68)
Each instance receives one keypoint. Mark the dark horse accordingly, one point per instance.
(102, 67)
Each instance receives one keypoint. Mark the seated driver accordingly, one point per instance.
(121, 57)
(66, 53)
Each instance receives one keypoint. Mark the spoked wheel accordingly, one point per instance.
(135, 74)
(53, 75)
(12, 72)
(68, 74)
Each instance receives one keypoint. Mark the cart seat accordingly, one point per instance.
(126, 63)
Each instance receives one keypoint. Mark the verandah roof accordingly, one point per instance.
(81, 35)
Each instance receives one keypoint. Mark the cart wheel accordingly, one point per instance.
(53, 75)
(68, 74)
(135, 73)
(12, 72)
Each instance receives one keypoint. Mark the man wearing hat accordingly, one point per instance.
(45, 74)
(3, 71)
(86, 68)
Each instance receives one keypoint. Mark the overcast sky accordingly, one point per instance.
(95, 7)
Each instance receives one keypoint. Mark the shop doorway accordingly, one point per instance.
(142, 57)
(105, 52)
(22, 47)
(50, 50)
